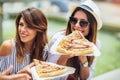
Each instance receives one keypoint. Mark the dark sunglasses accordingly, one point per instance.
(82, 23)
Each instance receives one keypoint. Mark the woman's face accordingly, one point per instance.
(27, 35)
(80, 22)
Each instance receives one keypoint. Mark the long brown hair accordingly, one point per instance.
(35, 20)
(74, 62)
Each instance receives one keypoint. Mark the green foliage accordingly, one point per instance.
(110, 57)
(8, 29)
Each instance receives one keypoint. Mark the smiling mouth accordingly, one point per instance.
(23, 36)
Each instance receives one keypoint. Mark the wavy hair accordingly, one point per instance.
(74, 62)
(35, 20)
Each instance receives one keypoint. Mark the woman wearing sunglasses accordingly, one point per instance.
(86, 19)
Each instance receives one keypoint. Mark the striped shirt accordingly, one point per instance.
(6, 61)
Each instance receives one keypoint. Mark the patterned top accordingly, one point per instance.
(6, 61)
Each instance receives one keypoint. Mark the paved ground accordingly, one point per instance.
(112, 75)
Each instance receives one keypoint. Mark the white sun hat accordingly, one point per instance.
(91, 7)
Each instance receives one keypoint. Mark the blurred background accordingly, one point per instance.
(58, 12)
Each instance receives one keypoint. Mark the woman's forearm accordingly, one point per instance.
(62, 61)
(84, 73)
(84, 68)
(64, 58)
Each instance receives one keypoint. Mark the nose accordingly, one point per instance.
(23, 29)
(77, 23)
(77, 26)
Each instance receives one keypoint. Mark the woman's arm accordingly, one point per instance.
(64, 58)
(27, 70)
(6, 48)
(84, 68)
(92, 68)
(4, 75)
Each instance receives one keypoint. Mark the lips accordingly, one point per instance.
(23, 35)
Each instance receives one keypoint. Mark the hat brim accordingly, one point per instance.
(98, 19)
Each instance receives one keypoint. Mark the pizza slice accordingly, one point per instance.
(75, 43)
(45, 69)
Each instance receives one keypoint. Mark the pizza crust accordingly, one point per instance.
(77, 53)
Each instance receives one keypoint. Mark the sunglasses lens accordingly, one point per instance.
(73, 20)
(84, 23)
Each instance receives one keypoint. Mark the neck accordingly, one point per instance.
(28, 47)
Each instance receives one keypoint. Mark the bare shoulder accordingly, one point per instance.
(5, 48)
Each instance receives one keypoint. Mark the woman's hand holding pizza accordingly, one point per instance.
(27, 69)
(4, 75)
(63, 59)
(82, 59)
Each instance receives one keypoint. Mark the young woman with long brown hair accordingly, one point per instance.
(86, 19)
(29, 42)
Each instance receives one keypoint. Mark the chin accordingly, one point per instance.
(23, 40)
